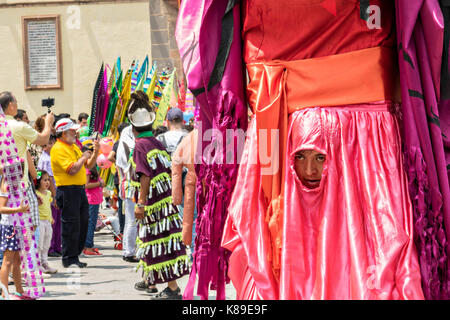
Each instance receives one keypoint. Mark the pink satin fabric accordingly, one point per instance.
(246, 233)
(352, 237)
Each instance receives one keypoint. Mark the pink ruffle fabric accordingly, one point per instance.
(246, 233)
(350, 238)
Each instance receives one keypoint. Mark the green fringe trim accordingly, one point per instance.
(170, 218)
(135, 184)
(130, 188)
(160, 184)
(162, 155)
(158, 206)
(153, 153)
(162, 177)
(167, 268)
(160, 226)
(162, 265)
(141, 244)
(159, 247)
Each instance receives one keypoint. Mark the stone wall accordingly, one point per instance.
(92, 32)
(163, 18)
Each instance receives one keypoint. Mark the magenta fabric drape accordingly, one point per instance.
(209, 41)
(420, 36)
(246, 231)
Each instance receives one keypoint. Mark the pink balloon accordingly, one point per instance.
(106, 145)
(103, 162)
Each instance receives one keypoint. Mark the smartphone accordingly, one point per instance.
(48, 103)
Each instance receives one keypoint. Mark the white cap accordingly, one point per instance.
(66, 124)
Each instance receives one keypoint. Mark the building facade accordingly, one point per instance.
(91, 32)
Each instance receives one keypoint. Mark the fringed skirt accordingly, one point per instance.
(160, 248)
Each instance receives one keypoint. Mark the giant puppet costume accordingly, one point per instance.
(217, 83)
(324, 75)
(12, 171)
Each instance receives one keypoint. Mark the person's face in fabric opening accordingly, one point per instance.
(309, 167)
(69, 136)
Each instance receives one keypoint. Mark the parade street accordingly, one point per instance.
(106, 277)
(227, 155)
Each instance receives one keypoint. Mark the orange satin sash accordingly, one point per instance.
(278, 88)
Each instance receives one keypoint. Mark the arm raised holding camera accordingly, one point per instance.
(94, 154)
(42, 137)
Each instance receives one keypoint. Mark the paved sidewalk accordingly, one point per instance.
(106, 277)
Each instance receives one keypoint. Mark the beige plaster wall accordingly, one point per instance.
(91, 32)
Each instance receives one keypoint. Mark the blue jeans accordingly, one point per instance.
(121, 214)
(93, 216)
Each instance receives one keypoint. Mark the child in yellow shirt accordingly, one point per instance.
(46, 219)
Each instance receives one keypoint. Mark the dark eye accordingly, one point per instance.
(299, 156)
(321, 158)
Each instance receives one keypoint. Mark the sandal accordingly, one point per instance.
(151, 290)
(141, 285)
(168, 294)
(91, 252)
(97, 252)
(18, 296)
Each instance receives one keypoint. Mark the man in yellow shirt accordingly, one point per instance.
(69, 171)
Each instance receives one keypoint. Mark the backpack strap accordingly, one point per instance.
(162, 139)
(181, 138)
